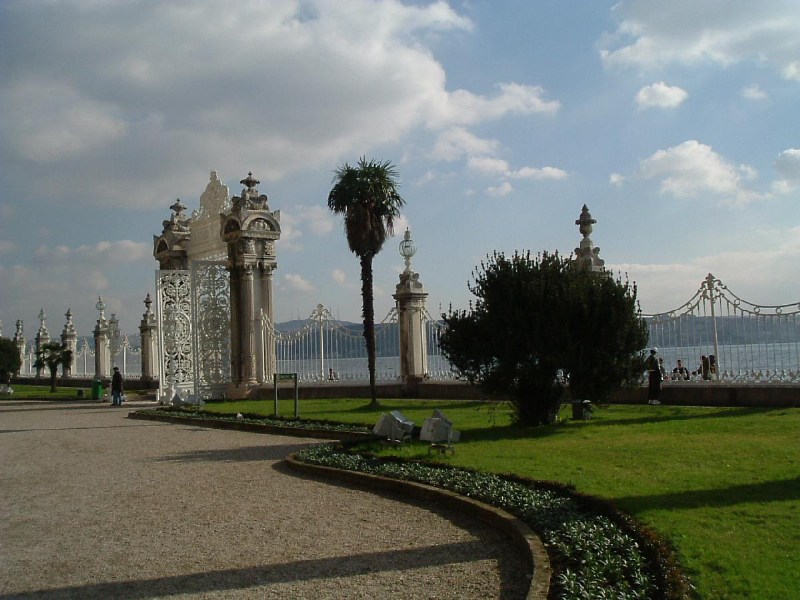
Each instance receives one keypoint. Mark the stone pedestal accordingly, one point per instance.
(587, 255)
(410, 298)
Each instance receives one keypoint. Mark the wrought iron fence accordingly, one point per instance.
(124, 356)
(719, 336)
(325, 349)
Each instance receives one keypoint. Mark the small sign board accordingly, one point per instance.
(280, 377)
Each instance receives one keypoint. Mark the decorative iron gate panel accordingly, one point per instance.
(194, 330)
(211, 312)
(174, 303)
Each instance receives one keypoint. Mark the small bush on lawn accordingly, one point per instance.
(594, 554)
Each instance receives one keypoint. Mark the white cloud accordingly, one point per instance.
(652, 34)
(154, 113)
(616, 179)
(339, 276)
(401, 223)
(660, 95)
(753, 92)
(488, 166)
(456, 142)
(693, 169)
(788, 166)
(318, 219)
(792, 71)
(544, 173)
(427, 177)
(104, 252)
(757, 272)
(497, 166)
(61, 277)
(462, 107)
(297, 283)
(503, 189)
(52, 120)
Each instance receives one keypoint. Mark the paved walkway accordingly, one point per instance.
(95, 505)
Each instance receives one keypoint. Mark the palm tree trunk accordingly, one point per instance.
(369, 323)
(53, 378)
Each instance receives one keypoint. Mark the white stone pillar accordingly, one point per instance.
(42, 338)
(148, 330)
(19, 341)
(69, 338)
(247, 312)
(101, 351)
(410, 298)
(410, 303)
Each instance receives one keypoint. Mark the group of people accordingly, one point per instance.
(656, 373)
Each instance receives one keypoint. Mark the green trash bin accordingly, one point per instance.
(97, 389)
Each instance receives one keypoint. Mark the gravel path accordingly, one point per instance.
(95, 505)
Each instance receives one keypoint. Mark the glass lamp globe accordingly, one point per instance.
(407, 247)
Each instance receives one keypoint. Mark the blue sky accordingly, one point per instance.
(676, 122)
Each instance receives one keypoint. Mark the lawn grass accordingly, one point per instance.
(42, 392)
(722, 484)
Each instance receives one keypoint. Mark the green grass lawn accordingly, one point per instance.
(40, 392)
(722, 484)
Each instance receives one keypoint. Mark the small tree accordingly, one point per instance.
(540, 322)
(10, 361)
(51, 355)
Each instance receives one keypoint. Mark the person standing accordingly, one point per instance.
(653, 377)
(116, 388)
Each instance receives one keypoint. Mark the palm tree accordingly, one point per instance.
(51, 355)
(366, 195)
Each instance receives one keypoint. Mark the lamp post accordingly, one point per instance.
(101, 353)
(114, 338)
(101, 307)
(42, 339)
(407, 249)
(410, 304)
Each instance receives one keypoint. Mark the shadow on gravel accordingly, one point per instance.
(248, 453)
(301, 570)
(77, 428)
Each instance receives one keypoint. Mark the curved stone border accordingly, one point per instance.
(525, 539)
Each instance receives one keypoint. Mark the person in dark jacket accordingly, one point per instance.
(653, 377)
(116, 388)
